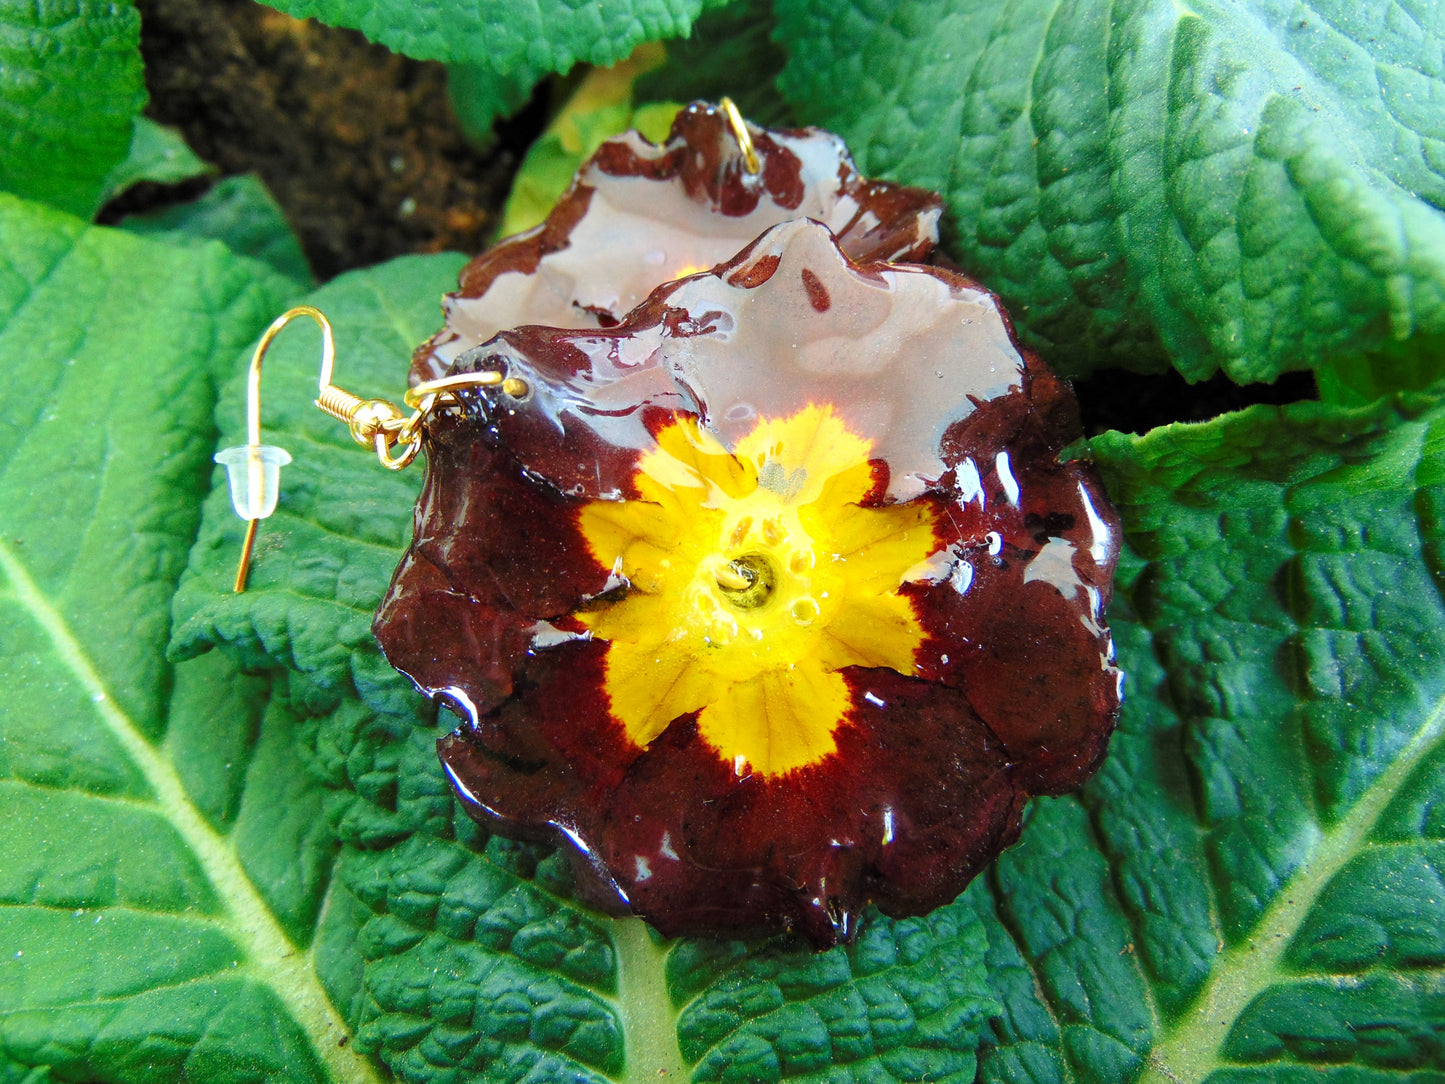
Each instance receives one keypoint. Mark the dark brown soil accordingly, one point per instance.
(359, 146)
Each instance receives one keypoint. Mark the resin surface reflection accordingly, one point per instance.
(773, 599)
(641, 214)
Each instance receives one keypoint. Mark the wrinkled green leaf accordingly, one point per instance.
(1252, 888)
(158, 154)
(240, 213)
(162, 865)
(730, 53)
(1237, 185)
(507, 47)
(904, 1004)
(70, 88)
(469, 954)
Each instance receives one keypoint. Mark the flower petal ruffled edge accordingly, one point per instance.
(608, 228)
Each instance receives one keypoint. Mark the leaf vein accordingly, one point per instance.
(1191, 1049)
(271, 953)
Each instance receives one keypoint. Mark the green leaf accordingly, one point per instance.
(904, 1004)
(730, 53)
(157, 154)
(600, 108)
(507, 48)
(453, 952)
(1251, 888)
(70, 87)
(1234, 186)
(450, 952)
(161, 868)
(239, 212)
(1357, 379)
(480, 94)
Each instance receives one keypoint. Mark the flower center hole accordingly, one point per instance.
(747, 582)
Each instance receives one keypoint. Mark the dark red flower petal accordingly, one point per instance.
(640, 214)
(1011, 693)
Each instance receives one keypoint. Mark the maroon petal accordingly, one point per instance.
(639, 214)
(1013, 691)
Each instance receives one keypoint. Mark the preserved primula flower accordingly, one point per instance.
(772, 600)
(640, 214)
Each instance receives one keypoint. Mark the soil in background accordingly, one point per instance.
(359, 146)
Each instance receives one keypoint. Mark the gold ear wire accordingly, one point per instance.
(253, 377)
(254, 469)
(739, 127)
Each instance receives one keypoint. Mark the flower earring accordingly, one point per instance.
(746, 554)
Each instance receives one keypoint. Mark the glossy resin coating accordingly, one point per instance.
(770, 601)
(640, 214)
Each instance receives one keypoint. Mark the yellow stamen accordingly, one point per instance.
(748, 629)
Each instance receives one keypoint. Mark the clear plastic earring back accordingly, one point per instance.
(253, 468)
(255, 474)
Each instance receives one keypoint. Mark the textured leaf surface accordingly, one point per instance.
(1251, 889)
(507, 47)
(904, 1004)
(462, 956)
(70, 87)
(240, 213)
(161, 868)
(1245, 186)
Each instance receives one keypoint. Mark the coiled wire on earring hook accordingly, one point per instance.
(254, 468)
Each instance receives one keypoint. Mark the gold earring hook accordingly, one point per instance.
(254, 468)
(739, 127)
(253, 377)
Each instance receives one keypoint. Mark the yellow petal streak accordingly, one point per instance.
(753, 576)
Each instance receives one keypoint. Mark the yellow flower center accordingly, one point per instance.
(752, 577)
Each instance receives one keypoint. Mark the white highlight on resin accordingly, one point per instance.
(968, 483)
(1006, 478)
(615, 577)
(892, 329)
(949, 564)
(459, 695)
(1054, 564)
(566, 287)
(1100, 530)
(962, 578)
(545, 635)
